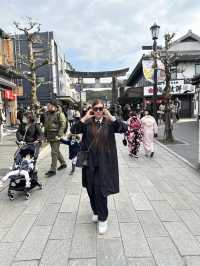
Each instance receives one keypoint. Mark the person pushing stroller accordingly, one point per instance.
(29, 136)
(73, 141)
(23, 175)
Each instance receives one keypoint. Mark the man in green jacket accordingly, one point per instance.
(54, 126)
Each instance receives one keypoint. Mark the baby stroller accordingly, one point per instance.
(18, 181)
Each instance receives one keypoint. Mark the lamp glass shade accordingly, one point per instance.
(155, 31)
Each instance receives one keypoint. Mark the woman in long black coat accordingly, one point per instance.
(101, 176)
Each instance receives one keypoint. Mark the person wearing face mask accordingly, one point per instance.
(29, 134)
(28, 131)
(100, 177)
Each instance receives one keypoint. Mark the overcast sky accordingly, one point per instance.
(104, 34)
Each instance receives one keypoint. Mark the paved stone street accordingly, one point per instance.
(7, 150)
(155, 220)
(187, 132)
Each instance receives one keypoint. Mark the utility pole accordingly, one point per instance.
(114, 90)
(155, 79)
(155, 32)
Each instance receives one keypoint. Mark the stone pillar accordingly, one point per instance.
(114, 90)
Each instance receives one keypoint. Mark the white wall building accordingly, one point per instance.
(187, 49)
(67, 93)
(186, 66)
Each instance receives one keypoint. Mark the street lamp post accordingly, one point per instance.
(155, 32)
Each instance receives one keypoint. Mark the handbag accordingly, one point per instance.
(83, 156)
(82, 159)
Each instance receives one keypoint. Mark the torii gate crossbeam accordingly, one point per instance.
(102, 74)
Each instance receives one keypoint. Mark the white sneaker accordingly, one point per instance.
(95, 218)
(28, 185)
(103, 227)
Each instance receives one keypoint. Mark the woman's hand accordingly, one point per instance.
(108, 115)
(88, 115)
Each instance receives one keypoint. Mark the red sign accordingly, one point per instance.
(9, 95)
(149, 101)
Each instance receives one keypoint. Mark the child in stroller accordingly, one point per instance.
(23, 176)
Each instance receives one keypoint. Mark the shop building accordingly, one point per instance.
(8, 87)
(52, 77)
(186, 65)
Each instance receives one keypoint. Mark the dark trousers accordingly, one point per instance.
(98, 201)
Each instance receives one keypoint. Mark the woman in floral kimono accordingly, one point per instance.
(134, 135)
(150, 130)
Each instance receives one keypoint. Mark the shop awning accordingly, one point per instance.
(7, 83)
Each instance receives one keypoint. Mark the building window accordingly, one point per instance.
(197, 69)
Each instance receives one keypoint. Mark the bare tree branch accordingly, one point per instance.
(31, 31)
(45, 62)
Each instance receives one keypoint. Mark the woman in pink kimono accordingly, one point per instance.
(134, 135)
(150, 130)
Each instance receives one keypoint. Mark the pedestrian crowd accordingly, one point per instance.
(90, 138)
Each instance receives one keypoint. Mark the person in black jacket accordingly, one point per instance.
(30, 134)
(101, 176)
(73, 141)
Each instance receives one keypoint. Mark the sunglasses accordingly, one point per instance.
(96, 109)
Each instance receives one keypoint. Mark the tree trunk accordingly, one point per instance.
(168, 136)
(34, 89)
(33, 74)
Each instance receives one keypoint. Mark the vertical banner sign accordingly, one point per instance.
(148, 70)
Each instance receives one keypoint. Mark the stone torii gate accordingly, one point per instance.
(103, 74)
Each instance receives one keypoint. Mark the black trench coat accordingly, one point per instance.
(107, 156)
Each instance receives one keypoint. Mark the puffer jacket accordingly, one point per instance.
(54, 125)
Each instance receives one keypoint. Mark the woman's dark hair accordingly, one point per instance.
(102, 138)
(97, 101)
(133, 113)
(30, 116)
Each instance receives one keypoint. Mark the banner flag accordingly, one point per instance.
(148, 70)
